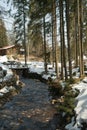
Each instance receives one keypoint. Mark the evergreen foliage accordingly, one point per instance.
(20, 19)
(64, 98)
(68, 16)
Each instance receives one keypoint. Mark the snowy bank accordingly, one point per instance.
(38, 67)
(8, 75)
(81, 99)
(81, 107)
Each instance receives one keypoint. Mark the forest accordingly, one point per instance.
(53, 29)
(49, 92)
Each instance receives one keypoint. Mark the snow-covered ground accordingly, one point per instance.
(8, 72)
(38, 67)
(81, 106)
(81, 99)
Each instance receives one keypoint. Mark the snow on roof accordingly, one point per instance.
(7, 47)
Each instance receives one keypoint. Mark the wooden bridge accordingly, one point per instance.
(20, 70)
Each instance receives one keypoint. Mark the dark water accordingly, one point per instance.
(29, 110)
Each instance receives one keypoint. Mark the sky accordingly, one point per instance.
(8, 20)
(6, 17)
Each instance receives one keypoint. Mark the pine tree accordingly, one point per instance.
(79, 4)
(20, 23)
(3, 35)
(68, 35)
(62, 40)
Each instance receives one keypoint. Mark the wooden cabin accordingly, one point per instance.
(8, 50)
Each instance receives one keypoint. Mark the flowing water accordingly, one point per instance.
(29, 110)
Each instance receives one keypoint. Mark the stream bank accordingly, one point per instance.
(30, 110)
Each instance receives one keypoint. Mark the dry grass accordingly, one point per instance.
(30, 58)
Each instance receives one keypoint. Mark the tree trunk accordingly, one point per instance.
(75, 33)
(45, 60)
(68, 37)
(24, 42)
(62, 38)
(55, 37)
(52, 41)
(80, 37)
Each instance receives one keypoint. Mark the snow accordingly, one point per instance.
(1, 94)
(81, 106)
(45, 76)
(81, 99)
(38, 67)
(8, 75)
(3, 59)
(84, 57)
(5, 90)
(3, 78)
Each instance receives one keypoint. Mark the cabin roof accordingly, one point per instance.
(7, 47)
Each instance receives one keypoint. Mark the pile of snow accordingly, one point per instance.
(3, 59)
(5, 90)
(81, 107)
(8, 71)
(38, 67)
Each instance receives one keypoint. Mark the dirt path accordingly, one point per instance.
(29, 110)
